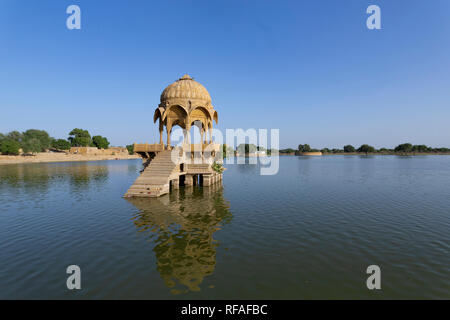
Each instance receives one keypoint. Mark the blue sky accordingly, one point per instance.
(310, 68)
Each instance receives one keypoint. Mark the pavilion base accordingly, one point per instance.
(163, 174)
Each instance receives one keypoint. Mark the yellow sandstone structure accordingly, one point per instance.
(184, 103)
(95, 151)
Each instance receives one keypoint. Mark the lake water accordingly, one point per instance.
(310, 231)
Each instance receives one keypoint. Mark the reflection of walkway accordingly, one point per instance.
(182, 225)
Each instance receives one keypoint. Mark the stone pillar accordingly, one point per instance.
(188, 134)
(169, 129)
(161, 128)
(176, 183)
(189, 180)
(206, 180)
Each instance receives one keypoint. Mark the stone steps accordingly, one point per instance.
(154, 180)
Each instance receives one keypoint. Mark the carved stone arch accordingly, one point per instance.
(180, 123)
(200, 113)
(204, 125)
(207, 109)
(176, 111)
(158, 114)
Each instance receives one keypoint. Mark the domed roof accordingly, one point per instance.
(186, 88)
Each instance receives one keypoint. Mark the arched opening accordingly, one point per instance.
(201, 115)
(176, 116)
(195, 133)
(177, 133)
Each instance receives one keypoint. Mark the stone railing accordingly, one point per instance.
(145, 147)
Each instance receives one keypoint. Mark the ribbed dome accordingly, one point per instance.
(186, 88)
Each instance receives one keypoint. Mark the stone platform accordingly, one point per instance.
(166, 170)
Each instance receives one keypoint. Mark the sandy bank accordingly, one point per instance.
(61, 157)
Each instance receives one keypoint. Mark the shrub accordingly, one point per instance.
(100, 142)
(32, 145)
(304, 148)
(33, 138)
(130, 149)
(366, 148)
(61, 144)
(349, 149)
(217, 167)
(405, 147)
(9, 147)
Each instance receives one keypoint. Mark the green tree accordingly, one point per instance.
(304, 148)
(9, 147)
(246, 148)
(100, 142)
(39, 135)
(421, 148)
(15, 135)
(227, 151)
(405, 147)
(349, 149)
(61, 144)
(80, 138)
(32, 145)
(130, 148)
(224, 150)
(365, 148)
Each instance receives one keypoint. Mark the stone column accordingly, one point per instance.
(189, 180)
(161, 128)
(169, 129)
(206, 180)
(188, 133)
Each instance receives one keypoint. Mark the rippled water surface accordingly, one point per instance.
(308, 232)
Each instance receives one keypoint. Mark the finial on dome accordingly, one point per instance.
(186, 77)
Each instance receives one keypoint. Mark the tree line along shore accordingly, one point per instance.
(365, 149)
(33, 141)
(402, 149)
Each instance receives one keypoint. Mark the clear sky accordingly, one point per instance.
(310, 68)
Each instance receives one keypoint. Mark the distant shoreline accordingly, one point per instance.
(375, 154)
(60, 157)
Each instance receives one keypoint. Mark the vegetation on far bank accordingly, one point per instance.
(402, 149)
(34, 141)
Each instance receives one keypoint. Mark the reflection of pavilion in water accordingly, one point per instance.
(182, 226)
